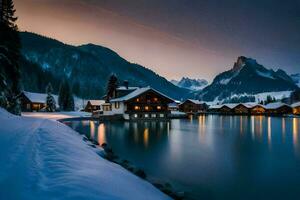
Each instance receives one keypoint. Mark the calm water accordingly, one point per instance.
(211, 157)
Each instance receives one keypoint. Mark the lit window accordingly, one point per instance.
(136, 108)
(158, 107)
(146, 107)
(137, 100)
(117, 105)
(161, 115)
(155, 99)
(146, 115)
(153, 115)
(135, 116)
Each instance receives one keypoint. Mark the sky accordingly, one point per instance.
(175, 38)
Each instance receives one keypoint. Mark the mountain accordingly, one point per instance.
(296, 78)
(191, 84)
(87, 67)
(247, 76)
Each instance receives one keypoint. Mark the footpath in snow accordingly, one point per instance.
(44, 159)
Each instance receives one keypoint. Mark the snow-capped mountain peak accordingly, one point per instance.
(191, 84)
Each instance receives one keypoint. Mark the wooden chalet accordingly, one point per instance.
(193, 106)
(227, 108)
(142, 103)
(34, 101)
(278, 108)
(296, 108)
(257, 110)
(94, 105)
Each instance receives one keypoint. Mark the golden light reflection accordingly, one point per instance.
(252, 127)
(146, 137)
(283, 130)
(201, 128)
(92, 129)
(190, 118)
(269, 131)
(101, 134)
(295, 133)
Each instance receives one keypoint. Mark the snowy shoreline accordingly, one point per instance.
(42, 159)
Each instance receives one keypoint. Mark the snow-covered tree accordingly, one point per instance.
(10, 87)
(50, 101)
(65, 97)
(111, 87)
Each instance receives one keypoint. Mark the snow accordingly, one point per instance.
(294, 105)
(225, 81)
(38, 97)
(275, 105)
(265, 74)
(57, 115)
(44, 159)
(96, 102)
(136, 93)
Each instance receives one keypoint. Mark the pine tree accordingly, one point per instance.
(111, 87)
(10, 45)
(50, 101)
(65, 97)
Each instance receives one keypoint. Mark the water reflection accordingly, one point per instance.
(195, 153)
(101, 134)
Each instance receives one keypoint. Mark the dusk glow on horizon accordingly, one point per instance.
(198, 39)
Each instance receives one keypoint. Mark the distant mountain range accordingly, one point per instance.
(87, 68)
(296, 79)
(247, 76)
(191, 84)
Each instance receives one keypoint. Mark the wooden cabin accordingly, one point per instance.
(257, 110)
(278, 108)
(227, 108)
(296, 108)
(142, 103)
(93, 105)
(193, 106)
(31, 102)
(241, 109)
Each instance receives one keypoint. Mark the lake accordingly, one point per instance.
(211, 156)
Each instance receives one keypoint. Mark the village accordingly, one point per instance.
(145, 103)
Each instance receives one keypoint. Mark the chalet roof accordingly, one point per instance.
(194, 101)
(136, 93)
(250, 104)
(294, 105)
(230, 105)
(126, 88)
(38, 97)
(215, 106)
(275, 105)
(96, 102)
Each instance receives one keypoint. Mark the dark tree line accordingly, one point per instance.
(10, 45)
(65, 97)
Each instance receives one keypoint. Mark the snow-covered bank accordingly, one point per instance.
(44, 159)
(56, 115)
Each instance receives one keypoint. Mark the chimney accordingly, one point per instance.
(126, 84)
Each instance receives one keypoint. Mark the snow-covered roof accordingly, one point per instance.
(275, 105)
(96, 102)
(249, 104)
(136, 93)
(195, 101)
(215, 106)
(230, 105)
(126, 88)
(38, 97)
(294, 105)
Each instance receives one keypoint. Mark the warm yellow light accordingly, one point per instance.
(146, 107)
(158, 107)
(155, 99)
(136, 107)
(137, 100)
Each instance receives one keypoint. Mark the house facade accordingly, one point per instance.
(296, 108)
(94, 105)
(142, 103)
(31, 102)
(193, 106)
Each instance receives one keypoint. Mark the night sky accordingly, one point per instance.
(175, 38)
